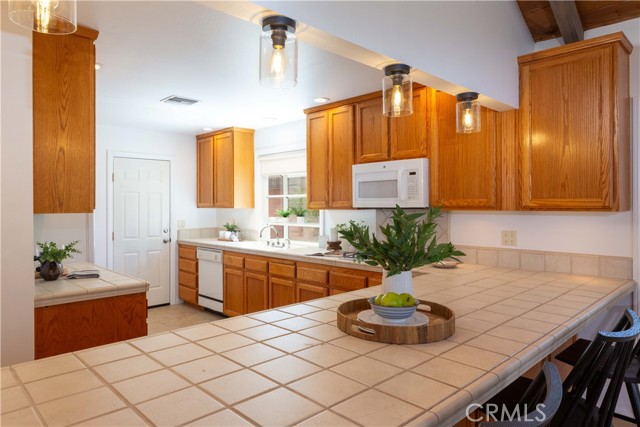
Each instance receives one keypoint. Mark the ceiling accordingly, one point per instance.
(593, 14)
(151, 50)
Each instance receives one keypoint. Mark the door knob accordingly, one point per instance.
(166, 240)
(165, 230)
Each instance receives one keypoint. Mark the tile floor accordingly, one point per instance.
(170, 317)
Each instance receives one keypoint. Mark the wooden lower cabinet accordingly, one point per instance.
(256, 286)
(282, 292)
(188, 274)
(234, 295)
(347, 279)
(78, 325)
(308, 292)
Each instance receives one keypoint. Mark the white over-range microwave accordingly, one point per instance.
(387, 184)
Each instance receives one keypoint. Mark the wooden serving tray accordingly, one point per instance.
(441, 324)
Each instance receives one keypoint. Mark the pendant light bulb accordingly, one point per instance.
(397, 91)
(468, 113)
(45, 16)
(278, 52)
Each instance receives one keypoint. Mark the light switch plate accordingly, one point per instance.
(182, 223)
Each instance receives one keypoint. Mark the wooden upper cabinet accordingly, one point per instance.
(372, 132)
(341, 140)
(464, 168)
(408, 135)
(330, 146)
(317, 160)
(574, 126)
(225, 169)
(205, 172)
(64, 122)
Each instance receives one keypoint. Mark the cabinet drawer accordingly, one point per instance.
(256, 264)
(189, 280)
(188, 295)
(188, 265)
(233, 260)
(347, 280)
(284, 270)
(187, 252)
(313, 274)
(375, 279)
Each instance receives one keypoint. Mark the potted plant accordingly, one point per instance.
(408, 243)
(51, 258)
(299, 213)
(283, 213)
(230, 230)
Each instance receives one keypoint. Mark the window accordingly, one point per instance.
(286, 203)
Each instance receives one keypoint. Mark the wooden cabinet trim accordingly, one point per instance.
(618, 37)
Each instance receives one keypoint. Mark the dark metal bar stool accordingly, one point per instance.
(540, 411)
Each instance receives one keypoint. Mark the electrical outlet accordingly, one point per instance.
(182, 223)
(509, 238)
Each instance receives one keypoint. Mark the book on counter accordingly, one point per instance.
(83, 274)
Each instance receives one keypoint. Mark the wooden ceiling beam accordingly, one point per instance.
(568, 20)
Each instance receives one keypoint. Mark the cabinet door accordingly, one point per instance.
(317, 160)
(409, 134)
(341, 140)
(234, 294)
(281, 292)
(568, 152)
(308, 292)
(372, 135)
(223, 170)
(257, 291)
(464, 168)
(64, 122)
(347, 279)
(205, 172)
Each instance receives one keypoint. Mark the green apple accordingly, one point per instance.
(377, 300)
(408, 300)
(391, 299)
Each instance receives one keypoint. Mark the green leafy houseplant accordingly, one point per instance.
(49, 251)
(298, 211)
(284, 213)
(231, 227)
(408, 242)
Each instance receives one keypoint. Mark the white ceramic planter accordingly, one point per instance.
(300, 220)
(398, 283)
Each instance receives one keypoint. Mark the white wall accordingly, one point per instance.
(470, 43)
(16, 190)
(65, 228)
(590, 233)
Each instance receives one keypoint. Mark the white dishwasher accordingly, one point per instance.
(210, 290)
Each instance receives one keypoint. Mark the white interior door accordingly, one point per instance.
(141, 235)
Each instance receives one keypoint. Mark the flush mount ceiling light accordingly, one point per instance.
(321, 100)
(45, 16)
(467, 113)
(397, 91)
(278, 52)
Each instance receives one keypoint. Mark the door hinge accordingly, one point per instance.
(113, 235)
(113, 177)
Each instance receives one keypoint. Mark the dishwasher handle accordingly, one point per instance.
(207, 254)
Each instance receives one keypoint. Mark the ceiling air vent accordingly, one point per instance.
(179, 100)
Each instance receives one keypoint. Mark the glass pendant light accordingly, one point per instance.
(45, 16)
(397, 91)
(467, 113)
(278, 52)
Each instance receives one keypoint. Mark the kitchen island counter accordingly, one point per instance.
(293, 366)
(63, 290)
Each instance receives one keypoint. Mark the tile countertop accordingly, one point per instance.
(296, 252)
(63, 290)
(293, 366)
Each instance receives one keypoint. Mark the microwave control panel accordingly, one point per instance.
(412, 185)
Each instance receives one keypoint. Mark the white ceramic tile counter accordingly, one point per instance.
(63, 290)
(296, 253)
(293, 366)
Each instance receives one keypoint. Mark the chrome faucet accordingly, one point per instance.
(277, 244)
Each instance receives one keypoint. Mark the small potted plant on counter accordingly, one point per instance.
(299, 213)
(408, 243)
(231, 230)
(51, 258)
